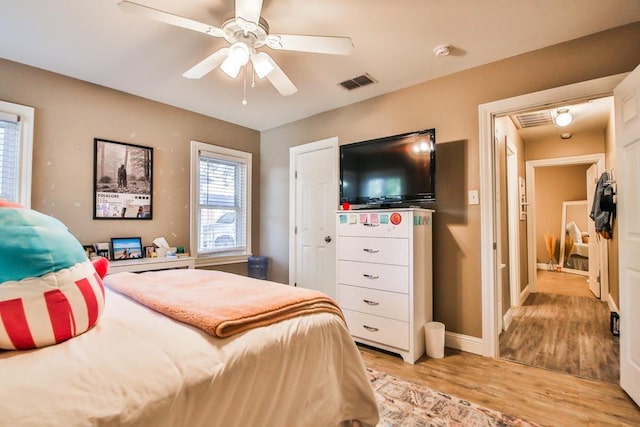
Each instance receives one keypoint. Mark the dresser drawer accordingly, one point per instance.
(373, 249)
(394, 278)
(374, 224)
(378, 329)
(372, 301)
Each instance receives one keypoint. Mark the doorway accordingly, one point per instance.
(580, 91)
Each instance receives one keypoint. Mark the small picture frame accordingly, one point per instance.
(126, 248)
(150, 252)
(90, 250)
(103, 250)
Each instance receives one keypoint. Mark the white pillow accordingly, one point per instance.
(574, 232)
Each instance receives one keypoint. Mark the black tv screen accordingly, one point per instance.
(395, 170)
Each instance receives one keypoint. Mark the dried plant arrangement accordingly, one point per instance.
(550, 241)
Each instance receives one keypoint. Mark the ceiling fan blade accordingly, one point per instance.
(280, 81)
(316, 44)
(208, 64)
(168, 18)
(249, 10)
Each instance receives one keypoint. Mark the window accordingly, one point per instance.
(220, 204)
(16, 142)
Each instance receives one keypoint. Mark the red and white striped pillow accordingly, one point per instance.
(46, 310)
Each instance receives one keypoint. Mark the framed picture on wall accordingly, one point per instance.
(122, 180)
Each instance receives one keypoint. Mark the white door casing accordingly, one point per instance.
(313, 200)
(627, 118)
(514, 223)
(487, 112)
(595, 272)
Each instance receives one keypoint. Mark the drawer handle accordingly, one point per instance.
(367, 301)
(371, 276)
(367, 224)
(370, 328)
(371, 251)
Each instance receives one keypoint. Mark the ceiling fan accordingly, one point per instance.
(246, 32)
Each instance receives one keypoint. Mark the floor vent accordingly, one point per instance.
(357, 82)
(529, 120)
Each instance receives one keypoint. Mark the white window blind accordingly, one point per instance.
(221, 220)
(9, 157)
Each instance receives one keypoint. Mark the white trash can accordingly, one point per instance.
(434, 339)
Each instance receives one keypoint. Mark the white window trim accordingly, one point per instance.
(27, 117)
(228, 153)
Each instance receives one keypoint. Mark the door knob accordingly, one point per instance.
(327, 239)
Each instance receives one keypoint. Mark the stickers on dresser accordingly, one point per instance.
(374, 219)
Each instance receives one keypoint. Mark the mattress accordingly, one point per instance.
(137, 367)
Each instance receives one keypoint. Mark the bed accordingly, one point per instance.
(138, 367)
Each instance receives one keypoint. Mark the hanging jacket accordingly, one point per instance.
(603, 209)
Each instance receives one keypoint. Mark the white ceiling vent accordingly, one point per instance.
(529, 120)
(357, 82)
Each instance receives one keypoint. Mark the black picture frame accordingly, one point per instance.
(122, 180)
(126, 248)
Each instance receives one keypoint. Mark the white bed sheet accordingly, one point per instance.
(140, 368)
(581, 249)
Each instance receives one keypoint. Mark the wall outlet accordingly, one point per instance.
(473, 197)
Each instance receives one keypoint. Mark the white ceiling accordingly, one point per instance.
(95, 41)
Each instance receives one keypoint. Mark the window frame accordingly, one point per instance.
(224, 154)
(25, 165)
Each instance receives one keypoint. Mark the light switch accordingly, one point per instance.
(473, 197)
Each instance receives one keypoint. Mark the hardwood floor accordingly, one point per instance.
(573, 285)
(565, 329)
(538, 395)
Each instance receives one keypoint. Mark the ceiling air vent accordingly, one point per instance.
(357, 82)
(529, 120)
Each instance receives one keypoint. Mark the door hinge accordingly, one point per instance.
(295, 175)
(295, 230)
(495, 246)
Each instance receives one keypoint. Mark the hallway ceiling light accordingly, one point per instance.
(563, 117)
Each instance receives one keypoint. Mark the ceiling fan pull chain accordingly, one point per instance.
(244, 86)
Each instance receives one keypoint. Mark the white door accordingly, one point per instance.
(627, 111)
(594, 241)
(314, 201)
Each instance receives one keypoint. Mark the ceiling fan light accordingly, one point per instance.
(239, 52)
(230, 67)
(238, 57)
(262, 64)
(563, 118)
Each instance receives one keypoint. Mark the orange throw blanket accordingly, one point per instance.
(222, 304)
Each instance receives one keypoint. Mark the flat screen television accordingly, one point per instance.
(393, 171)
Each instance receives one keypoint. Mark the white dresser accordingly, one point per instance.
(384, 277)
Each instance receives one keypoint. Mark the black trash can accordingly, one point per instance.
(258, 267)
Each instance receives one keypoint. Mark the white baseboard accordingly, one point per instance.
(463, 342)
(612, 304)
(506, 319)
(525, 293)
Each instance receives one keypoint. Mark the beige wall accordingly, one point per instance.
(579, 144)
(69, 113)
(449, 104)
(554, 185)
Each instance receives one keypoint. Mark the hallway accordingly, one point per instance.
(563, 327)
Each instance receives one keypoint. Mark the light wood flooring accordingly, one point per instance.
(564, 332)
(538, 395)
(573, 285)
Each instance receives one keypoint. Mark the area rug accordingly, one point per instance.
(406, 404)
